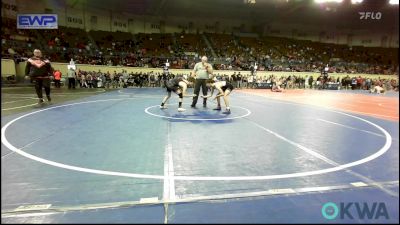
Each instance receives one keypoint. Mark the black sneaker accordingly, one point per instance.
(49, 98)
(218, 108)
(40, 101)
(193, 106)
(228, 111)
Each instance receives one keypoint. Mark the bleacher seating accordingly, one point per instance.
(123, 48)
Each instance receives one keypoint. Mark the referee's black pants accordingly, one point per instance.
(39, 84)
(197, 84)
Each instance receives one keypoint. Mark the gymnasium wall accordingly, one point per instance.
(7, 67)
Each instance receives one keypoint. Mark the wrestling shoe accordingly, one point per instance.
(228, 111)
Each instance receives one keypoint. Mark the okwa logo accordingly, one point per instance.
(351, 210)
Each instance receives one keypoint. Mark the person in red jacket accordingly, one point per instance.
(39, 70)
(57, 78)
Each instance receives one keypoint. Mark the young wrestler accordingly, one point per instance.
(224, 88)
(179, 86)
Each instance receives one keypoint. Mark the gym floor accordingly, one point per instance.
(113, 156)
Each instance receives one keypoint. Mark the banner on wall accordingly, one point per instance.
(37, 21)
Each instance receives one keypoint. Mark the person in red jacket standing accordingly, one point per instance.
(57, 78)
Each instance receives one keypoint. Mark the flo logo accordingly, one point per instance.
(350, 210)
(370, 15)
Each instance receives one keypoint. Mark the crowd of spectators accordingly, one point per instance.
(110, 80)
(183, 50)
(123, 79)
(324, 81)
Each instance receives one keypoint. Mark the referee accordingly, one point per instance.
(201, 72)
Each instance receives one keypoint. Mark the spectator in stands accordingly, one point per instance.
(125, 77)
(100, 80)
(353, 83)
(83, 80)
(11, 51)
(57, 78)
(277, 86)
(152, 80)
(395, 84)
(318, 82)
(311, 81)
(245, 81)
(89, 80)
(94, 79)
(234, 79)
(359, 82)
(239, 80)
(108, 80)
(307, 82)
